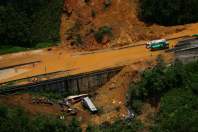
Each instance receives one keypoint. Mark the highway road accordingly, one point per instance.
(58, 59)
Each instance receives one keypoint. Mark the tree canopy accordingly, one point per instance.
(27, 22)
(169, 12)
(17, 120)
(175, 89)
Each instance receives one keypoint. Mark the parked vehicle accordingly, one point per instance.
(157, 44)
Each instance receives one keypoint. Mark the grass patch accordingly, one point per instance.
(14, 49)
(11, 49)
(45, 45)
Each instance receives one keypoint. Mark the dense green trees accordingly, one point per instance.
(118, 126)
(158, 81)
(16, 120)
(178, 112)
(169, 12)
(175, 89)
(27, 22)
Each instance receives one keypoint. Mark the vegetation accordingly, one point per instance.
(11, 49)
(16, 120)
(51, 95)
(25, 23)
(4, 49)
(175, 88)
(158, 81)
(87, 1)
(74, 35)
(93, 13)
(178, 112)
(118, 126)
(77, 39)
(169, 12)
(106, 4)
(102, 31)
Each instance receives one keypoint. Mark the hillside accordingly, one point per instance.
(29, 24)
(81, 20)
(98, 48)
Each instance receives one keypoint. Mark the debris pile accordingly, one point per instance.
(66, 104)
(41, 100)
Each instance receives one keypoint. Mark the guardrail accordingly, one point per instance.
(35, 78)
(85, 82)
(128, 45)
(17, 65)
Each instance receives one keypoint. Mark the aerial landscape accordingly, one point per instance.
(99, 66)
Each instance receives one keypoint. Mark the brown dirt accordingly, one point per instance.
(121, 16)
(59, 59)
(111, 98)
(127, 29)
(25, 101)
(62, 58)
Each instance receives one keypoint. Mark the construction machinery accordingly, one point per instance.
(157, 44)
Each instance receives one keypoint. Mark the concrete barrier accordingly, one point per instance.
(75, 84)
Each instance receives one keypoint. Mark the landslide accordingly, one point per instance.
(82, 19)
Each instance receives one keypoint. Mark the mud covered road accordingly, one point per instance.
(63, 59)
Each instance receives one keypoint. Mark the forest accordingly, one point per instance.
(36, 23)
(26, 23)
(15, 119)
(175, 89)
(168, 12)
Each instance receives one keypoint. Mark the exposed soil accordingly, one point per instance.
(120, 15)
(61, 60)
(127, 29)
(110, 99)
(147, 115)
(25, 101)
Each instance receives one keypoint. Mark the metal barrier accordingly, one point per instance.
(23, 64)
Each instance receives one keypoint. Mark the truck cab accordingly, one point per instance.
(157, 44)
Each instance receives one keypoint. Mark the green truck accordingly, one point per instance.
(157, 44)
(195, 35)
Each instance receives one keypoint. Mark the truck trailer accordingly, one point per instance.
(87, 103)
